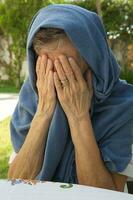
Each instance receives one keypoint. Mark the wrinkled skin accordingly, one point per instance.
(53, 65)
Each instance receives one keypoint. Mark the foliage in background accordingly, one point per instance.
(117, 16)
(5, 147)
(127, 74)
(15, 17)
(7, 87)
(118, 20)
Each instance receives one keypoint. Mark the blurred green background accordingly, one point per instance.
(15, 17)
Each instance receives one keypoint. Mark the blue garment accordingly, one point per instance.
(112, 103)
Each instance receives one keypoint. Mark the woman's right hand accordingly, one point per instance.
(45, 86)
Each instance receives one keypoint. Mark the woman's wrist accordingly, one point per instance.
(78, 126)
(44, 113)
(75, 120)
(42, 117)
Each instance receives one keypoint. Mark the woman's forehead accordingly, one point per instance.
(62, 45)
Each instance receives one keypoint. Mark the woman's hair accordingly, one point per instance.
(46, 35)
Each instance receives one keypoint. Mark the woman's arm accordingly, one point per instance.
(90, 167)
(75, 99)
(28, 161)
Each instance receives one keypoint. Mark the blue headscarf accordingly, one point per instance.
(112, 103)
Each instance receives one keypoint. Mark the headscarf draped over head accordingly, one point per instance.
(112, 103)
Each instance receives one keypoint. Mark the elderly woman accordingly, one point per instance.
(73, 121)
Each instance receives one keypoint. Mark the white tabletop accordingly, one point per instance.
(20, 190)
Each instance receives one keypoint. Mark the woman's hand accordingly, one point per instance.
(45, 86)
(75, 96)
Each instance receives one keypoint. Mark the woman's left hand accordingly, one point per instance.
(74, 94)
